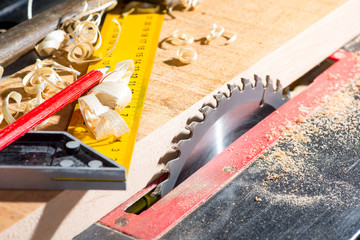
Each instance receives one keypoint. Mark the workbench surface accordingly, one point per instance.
(261, 27)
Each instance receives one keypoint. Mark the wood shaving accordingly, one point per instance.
(81, 53)
(86, 34)
(83, 30)
(111, 124)
(101, 106)
(186, 54)
(113, 94)
(189, 54)
(52, 42)
(88, 31)
(42, 83)
(218, 32)
(10, 118)
(122, 73)
(181, 38)
(100, 120)
(91, 108)
(46, 76)
(190, 4)
(232, 38)
(33, 103)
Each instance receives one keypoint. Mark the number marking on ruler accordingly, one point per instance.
(138, 41)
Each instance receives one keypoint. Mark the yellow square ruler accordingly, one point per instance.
(138, 41)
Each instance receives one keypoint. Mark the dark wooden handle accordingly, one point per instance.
(22, 38)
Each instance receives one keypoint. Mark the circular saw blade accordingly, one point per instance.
(219, 126)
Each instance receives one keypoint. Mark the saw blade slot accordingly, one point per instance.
(303, 82)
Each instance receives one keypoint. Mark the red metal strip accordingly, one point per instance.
(195, 190)
(25, 123)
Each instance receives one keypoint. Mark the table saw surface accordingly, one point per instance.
(261, 27)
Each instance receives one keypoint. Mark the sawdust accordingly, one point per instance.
(293, 158)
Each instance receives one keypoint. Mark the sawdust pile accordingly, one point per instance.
(332, 132)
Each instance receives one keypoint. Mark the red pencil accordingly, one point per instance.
(28, 121)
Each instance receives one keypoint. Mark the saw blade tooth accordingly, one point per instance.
(232, 86)
(272, 96)
(205, 110)
(211, 103)
(193, 125)
(226, 90)
(235, 88)
(187, 127)
(269, 84)
(278, 85)
(184, 134)
(172, 153)
(246, 84)
(218, 97)
(198, 117)
(190, 127)
(258, 81)
(236, 91)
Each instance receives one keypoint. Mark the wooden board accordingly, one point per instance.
(262, 27)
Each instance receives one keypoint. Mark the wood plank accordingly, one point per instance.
(312, 45)
(262, 27)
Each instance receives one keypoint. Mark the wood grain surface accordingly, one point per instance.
(261, 26)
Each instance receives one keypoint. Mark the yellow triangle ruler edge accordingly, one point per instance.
(138, 41)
